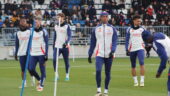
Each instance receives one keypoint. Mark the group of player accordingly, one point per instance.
(36, 38)
(104, 39)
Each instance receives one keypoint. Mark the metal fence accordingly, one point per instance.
(81, 36)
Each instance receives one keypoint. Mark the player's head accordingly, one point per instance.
(60, 16)
(23, 23)
(137, 20)
(104, 17)
(38, 22)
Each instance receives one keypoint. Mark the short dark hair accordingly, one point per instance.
(22, 17)
(136, 17)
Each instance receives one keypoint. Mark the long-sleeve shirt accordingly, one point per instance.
(161, 45)
(104, 38)
(39, 43)
(134, 39)
(21, 42)
(62, 35)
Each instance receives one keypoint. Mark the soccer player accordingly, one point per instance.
(104, 38)
(62, 37)
(21, 46)
(39, 53)
(161, 44)
(135, 37)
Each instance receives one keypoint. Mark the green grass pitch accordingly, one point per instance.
(82, 79)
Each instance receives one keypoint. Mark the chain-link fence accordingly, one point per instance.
(81, 36)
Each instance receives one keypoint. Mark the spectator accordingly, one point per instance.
(122, 4)
(107, 7)
(7, 8)
(7, 22)
(150, 11)
(38, 13)
(4, 16)
(14, 16)
(162, 23)
(91, 12)
(14, 6)
(65, 10)
(136, 4)
(54, 4)
(27, 11)
(46, 15)
(84, 12)
(53, 13)
(130, 13)
(112, 21)
(114, 7)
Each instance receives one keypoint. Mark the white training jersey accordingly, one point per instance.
(135, 41)
(61, 35)
(165, 43)
(23, 38)
(104, 36)
(38, 43)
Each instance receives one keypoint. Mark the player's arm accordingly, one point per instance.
(127, 41)
(16, 46)
(54, 39)
(114, 42)
(164, 58)
(68, 34)
(65, 45)
(46, 43)
(92, 45)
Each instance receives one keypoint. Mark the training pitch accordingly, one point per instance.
(82, 79)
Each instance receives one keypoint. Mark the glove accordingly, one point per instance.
(65, 45)
(127, 53)
(16, 57)
(89, 59)
(46, 58)
(158, 75)
(111, 54)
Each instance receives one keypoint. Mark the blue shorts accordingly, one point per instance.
(133, 56)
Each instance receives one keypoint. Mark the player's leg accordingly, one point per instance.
(168, 83)
(99, 64)
(24, 60)
(32, 67)
(133, 56)
(42, 66)
(22, 65)
(108, 65)
(141, 56)
(54, 60)
(65, 52)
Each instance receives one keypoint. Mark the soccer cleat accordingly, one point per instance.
(136, 84)
(67, 79)
(24, 86)
(105, 94)
(39, 88)
(98, 94)
(142, 84)
(56, 79)
(38, 85)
